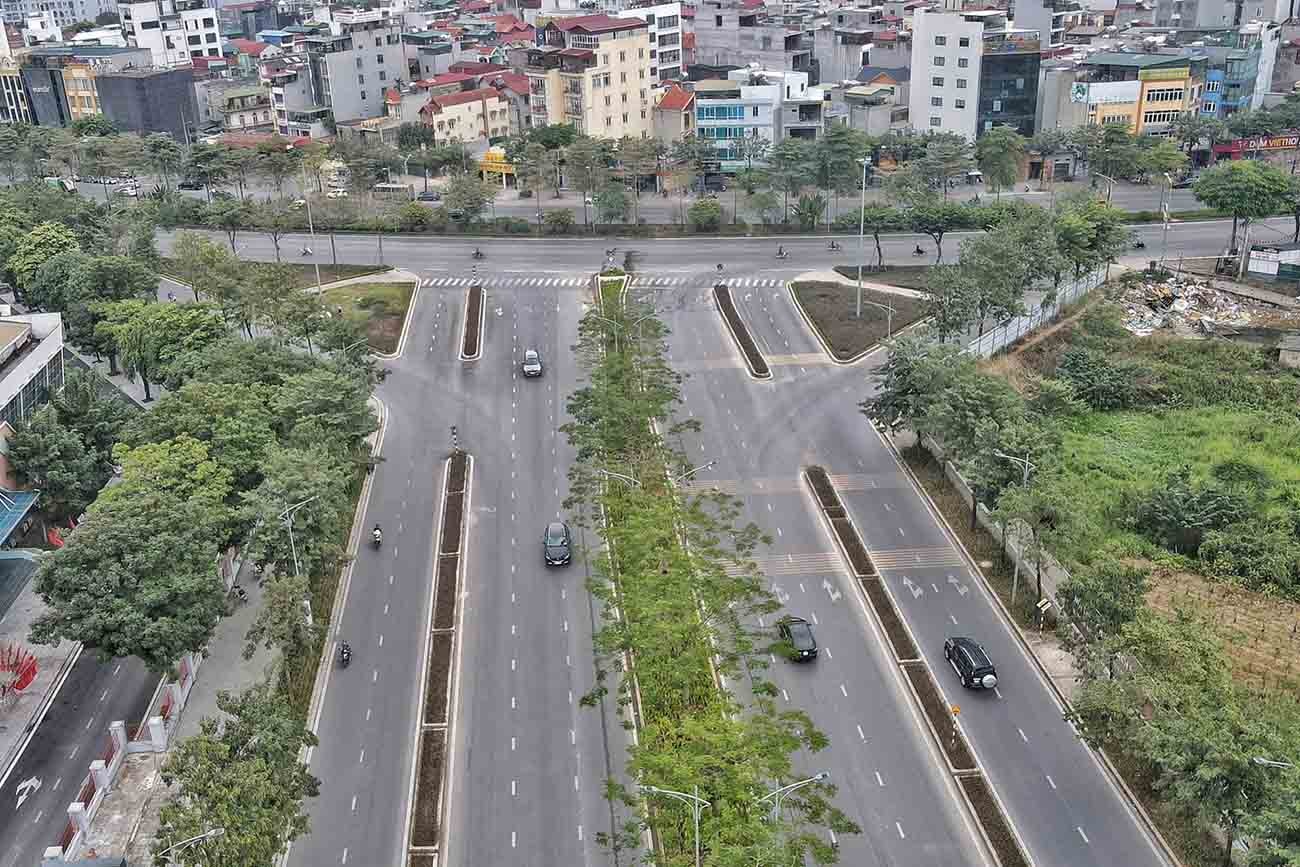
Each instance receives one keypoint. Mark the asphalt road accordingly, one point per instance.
(73, 734)
(528, 762)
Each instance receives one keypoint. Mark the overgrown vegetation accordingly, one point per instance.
(1144, 453)
(681, 620)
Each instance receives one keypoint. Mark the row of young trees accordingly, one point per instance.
(678, 571)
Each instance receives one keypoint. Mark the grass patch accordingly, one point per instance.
(435, 687)
(906, 276)
(753, 357)
(995, 824)
(832, 308)
(382, 305)
(428, 789)
(304, 273)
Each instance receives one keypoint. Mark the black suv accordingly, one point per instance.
(797, 632)
(556, 547)
(971, 662)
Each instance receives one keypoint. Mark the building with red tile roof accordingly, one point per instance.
(468, 116)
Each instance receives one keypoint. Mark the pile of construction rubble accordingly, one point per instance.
(1189, 307)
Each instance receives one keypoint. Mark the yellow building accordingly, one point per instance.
(592, 71)
(83, 98)
(468, 115)
(1145, 91)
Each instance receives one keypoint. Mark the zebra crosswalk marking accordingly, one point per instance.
(916, 558)
(817, 563)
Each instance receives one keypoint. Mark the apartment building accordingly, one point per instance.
(64, 12)
(246, 109)
(61, 82)
(173, 30)
(1239, 66)
(248, 19)
(299, 113)
(971, 71)
(842, 42)
(1145, 91)
(1051, 18)
(471, 116)
(13, 95)
(664, 21)
(764, 104)
(351, 68)
(740, 32)
(592, 71)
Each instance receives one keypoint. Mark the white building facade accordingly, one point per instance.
(174, 31)
(665, 23)
(945, 72)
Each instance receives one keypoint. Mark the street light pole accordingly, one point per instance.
(1271, 763)
(628, 479)
(785, 790)
(1027, 465)
(694, 801)
(689, 473)
(311, 228)
(1110, 184)
(210, 834)
(1164, 217)
(862, 232)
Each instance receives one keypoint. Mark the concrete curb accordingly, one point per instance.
(482, 324)
(38, 713)
(406, 325)
(1103, 761)
(878, 346)
(749, 367)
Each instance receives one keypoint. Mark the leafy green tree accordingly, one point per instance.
(640, 157)
(180, 466)
(789, 169)
(135, 578)
(705, 215)
(207, 164)
(1099, 601)
(231, 217)
(835, 159)
(164, 155)
(1246, 189)
(587, 167)
(947, 159)
(328, 398)
(93, 125)
(876, 218)
(281, 622)
(1045, 517)
(1275, 829)
(51, 458)
(239, 165)
(275, 218)
(95, 414)
(205, 265)
(950, 295)
(808, 210)
(52, 284)
(37, 247)
(558, 222)
(534, 167)
(937, 220)
(1162, 158)
(11, 145)
(241, 773)
(766, 205)
(1177, 512)
(1192, 131)
(1115, 152)
(911, 381)
(315, 475)
(612, 203)
(148, 335)
(998, 154)
(277, 162)
(467, 196)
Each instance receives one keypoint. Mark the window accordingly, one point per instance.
(625, 99)
(358, 63)
(1213, 86)
(959, 103)
(379, 58)
(963, 62)
(363, 94)
(938, 60)
(1160, 116)
(624, 117)
(1020, 84)
(622, 77)
(934, 121)
(997, 105)
(361, 79)
(640, 53)
(383, 76)
(211, 37)
(609, 121)
(964, 42)
(207, 22)
(1165, 94)
(604, 60)
(607, 101)
(941, 40)
(717, 20)
(961, 84)
(936, 101)
(755, 111)
(936, 81)
(622, 57)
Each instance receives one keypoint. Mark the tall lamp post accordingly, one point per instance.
(210, 834)
(785, 790)
(1110, 184)
(311, 228)
(862, 231)
(287, 517)
(694, 801)
(1026, 465)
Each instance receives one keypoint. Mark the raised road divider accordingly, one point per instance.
(740, 333)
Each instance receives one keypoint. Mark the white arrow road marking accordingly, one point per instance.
(961, 588)
(26, 788)
(910, 585)
(781, 595)
(831, 590)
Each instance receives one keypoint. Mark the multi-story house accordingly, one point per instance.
(740, 32)
(1145, 91)
(1220, 13)
(592, 71)
(298, 110)
(247, 109)
(468, 117)
(971, 71)
(664, 21)
(64, 12)
(1239, 67)
(173, 30)
(1051, 18)
(756, 104)
(351, 68)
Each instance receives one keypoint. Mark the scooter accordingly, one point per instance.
(477, 254)
(918, 252)
(345, 655)
(376, 539)
(782, 254)
(1139, 245)
(834, 245)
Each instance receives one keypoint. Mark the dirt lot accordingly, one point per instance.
(382, 305)
(832, 308)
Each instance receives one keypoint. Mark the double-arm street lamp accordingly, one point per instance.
(210, 834)
(694, 801)
(689, 473)
(785, 790)
(1026, 465)
(1271, 763)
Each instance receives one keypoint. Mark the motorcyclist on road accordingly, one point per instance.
(377, 534)
(478, 254)
(918, 251)
(780, 252)
(345, 652)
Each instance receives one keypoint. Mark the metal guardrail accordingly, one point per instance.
(1007, 333)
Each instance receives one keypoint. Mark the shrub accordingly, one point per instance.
(1177, 514)
(412, 217)
(1262, 552)
(1099, 382)
(557, 222)
(705, 215)
(512, 225)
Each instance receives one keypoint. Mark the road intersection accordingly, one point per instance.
(529, 761)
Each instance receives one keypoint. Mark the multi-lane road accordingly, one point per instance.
(528, 761)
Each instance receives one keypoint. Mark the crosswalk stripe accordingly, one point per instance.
(793, 564)
(916, 558)
(736, 487)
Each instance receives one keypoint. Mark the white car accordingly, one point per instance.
(337, 194)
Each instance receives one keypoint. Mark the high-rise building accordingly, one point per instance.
(65, 12)
(592, 71)
(664, 21)
(173, 30)
(971, 72)
(351, 68)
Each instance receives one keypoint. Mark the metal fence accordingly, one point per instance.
(1008, 333)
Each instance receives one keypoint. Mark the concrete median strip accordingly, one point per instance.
(758, 367)
(431, 775)
(471, 345)
(941, 717)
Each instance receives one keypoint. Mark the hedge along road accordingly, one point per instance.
(436, 255)
(1056, 794)
(506, 801)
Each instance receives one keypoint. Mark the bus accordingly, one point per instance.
(404, 192)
